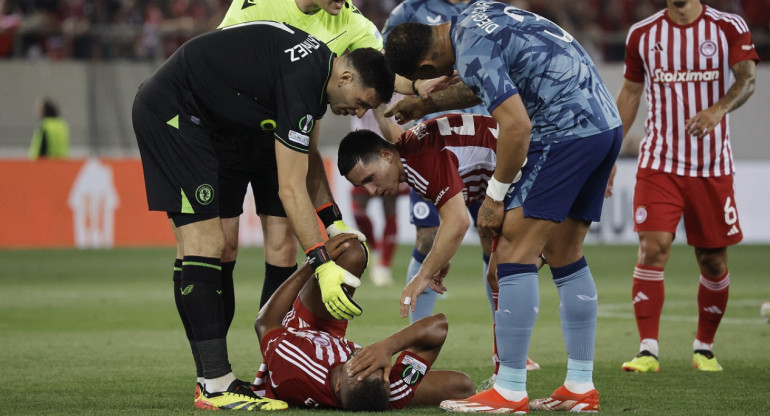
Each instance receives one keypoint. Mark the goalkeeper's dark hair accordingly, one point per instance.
(375, 73)
(407, 45)
(363, 145)
(371, 394)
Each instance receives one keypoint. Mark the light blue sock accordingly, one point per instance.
(578, 308)
(427, 299)
(486, 285)
(512, 379)
(579, 371)
(518, 306)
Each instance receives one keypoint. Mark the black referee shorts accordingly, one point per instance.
(179, 161)
(244, 159)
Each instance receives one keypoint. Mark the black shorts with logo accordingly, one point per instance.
(244, 159)
(179, 161)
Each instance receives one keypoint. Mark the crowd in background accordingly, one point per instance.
(153, 29)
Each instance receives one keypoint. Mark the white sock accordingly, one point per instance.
(697, 345)
(650, 345)
(219, 384)
(578, 388)
(200, 380)
(510, 395)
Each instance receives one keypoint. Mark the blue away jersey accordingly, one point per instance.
(501, 50)
(429, 12)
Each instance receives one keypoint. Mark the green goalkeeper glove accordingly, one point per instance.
(332, 219)
(339, 227)
(334, 296)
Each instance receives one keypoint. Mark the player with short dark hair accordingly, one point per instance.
(239, 81)
(695, 64)
(309, 363)
(557, 120)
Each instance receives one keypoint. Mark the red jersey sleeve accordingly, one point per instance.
(739, 41)
(405, 375)
(634, 65)
(430, 169)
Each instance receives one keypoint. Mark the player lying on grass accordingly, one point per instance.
(309, 363)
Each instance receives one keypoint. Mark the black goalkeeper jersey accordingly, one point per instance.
(249, 78)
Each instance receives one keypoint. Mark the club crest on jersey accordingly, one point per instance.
(299, 138)
(708, 48)
(324, 342)
(640, 215)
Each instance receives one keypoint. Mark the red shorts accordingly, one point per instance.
(300, 317)
(707, 204)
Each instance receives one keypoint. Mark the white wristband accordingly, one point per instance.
(496, 189)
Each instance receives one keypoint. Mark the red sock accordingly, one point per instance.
(648, 293)
(388, 242)
(364, 225)
(712, 302)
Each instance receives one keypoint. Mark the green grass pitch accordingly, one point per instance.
(96, 332)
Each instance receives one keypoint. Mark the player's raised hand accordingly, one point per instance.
(426, 87)
(335, 297)
(437, 281)
(371, 359)
(414, 288)
(406, 109)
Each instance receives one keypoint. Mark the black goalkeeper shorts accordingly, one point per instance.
(180, 164)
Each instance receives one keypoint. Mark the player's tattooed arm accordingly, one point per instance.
(705, 121)
(455, 97)
(743, 88)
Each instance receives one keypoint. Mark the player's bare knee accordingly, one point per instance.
(353, 259)
(440, 325)
(652, 252)
(282, 253)
(205, 245)
(464, 387)
(230, 251)
(712, 262)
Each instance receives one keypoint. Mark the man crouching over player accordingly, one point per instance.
(309, 363)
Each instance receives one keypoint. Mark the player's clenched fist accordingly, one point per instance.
(330, 278)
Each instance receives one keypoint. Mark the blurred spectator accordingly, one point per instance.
(51, 137)
(10, 20)
(154, 29)
(39, 24)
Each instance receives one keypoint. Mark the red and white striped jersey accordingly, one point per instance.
(450, 154)
(297, 365)
(686, 69)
